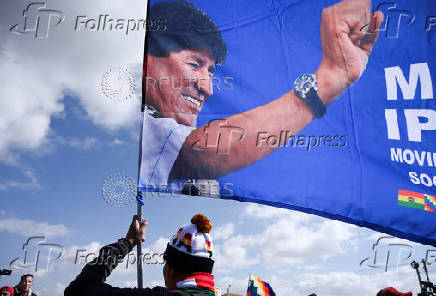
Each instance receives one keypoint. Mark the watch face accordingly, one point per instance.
(304, 83)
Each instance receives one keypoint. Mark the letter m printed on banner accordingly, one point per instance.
(395, 76)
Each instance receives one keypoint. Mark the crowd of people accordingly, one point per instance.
(24, 287)
(189, 261)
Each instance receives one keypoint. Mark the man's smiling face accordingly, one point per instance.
(178, 85)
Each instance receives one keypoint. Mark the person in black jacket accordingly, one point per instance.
(187, 270)
(24, 288)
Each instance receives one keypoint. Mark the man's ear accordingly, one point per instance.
(171, 275)
(171, 272)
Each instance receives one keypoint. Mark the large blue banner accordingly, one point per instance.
(223, 118)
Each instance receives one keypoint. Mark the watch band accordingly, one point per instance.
(314, 102)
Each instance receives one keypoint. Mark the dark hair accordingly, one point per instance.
(186, 27)
(26, 275)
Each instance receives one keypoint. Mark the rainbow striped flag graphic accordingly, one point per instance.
(258, 287)
(417, 200)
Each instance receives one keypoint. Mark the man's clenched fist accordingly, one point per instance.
(348, 34)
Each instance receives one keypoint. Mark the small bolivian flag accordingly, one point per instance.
(416, 200)
(257, 287)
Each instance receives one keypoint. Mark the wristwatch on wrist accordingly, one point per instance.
(305, 88)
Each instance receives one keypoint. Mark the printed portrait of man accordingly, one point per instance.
(179, 64)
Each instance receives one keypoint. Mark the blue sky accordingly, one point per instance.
(60, 137)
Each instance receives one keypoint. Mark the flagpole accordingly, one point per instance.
(139, 245)
(248, 284)
(139, 193)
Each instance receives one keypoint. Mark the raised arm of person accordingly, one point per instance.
(90, 282)
(348, 34)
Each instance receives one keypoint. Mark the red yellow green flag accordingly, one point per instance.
(416, 200)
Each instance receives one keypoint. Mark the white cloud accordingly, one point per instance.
(36, 74)
(32, 228)
(158, 246)
(287, 238)
(80, 255)
(232, 255)
(81, 144)
(30, 181)
(129, 284)
(237, 285)
(116, 142)
(57, 289)
(349, 283)
(290, 240)
(160, 283)
(266, 212)
(223, 232)
(379, 236)
(335, 283)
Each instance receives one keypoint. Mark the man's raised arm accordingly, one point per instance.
(348, 34)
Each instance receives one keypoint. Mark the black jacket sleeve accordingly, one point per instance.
(90, 282)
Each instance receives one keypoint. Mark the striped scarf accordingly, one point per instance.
(196, 283)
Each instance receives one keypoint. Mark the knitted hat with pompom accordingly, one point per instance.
(191, 248)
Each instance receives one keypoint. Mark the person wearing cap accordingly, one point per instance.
(7, 291)
(187, 270)
(390, 291)
(24, 288)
